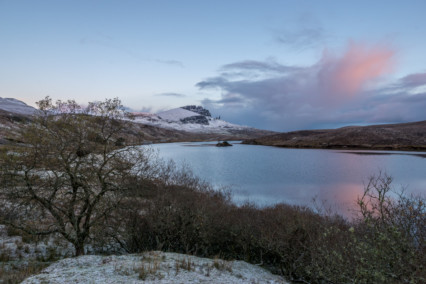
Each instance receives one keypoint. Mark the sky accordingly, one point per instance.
(278, 65)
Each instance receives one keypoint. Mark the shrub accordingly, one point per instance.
(70, 176)
(384, 245)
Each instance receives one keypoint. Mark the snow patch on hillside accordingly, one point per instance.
(152, 267)
(216, 126)
(176, 114)
(16, 106)
(172, 119)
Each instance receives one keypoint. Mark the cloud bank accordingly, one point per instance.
(337, 90)
(176, 95)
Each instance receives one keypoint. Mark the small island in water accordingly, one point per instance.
(223, 144)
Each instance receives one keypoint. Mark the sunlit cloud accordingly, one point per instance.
(348, 75)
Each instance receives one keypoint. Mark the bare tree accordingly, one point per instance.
(72, 173)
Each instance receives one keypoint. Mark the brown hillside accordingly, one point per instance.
(403, 136)
(137, 133)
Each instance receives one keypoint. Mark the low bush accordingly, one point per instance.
(384, 245)
(179, 213)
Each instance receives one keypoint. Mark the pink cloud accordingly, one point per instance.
(341, 78)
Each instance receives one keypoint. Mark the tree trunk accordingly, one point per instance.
(79, 249)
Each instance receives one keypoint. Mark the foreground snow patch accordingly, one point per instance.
(152, 267)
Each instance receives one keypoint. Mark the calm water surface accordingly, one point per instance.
(267, 175)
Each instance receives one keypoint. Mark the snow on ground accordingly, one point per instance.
(16, 106)
(171, 119)
(15, 248)
(215, 126)
(149, 267)
(152, 267)
(176, 114)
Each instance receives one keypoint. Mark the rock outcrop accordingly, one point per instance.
(223, 144)
(198, 109)
(199, 119)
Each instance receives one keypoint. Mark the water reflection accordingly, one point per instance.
(378, 153)
(268, 175)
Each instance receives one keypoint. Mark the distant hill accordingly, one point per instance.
(190, 123)
(16, 106)
(198, 120)
(402, 136)
(13, 114)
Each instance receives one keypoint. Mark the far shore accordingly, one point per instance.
(403, 148)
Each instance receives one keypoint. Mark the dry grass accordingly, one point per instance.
(185, 264)
(16, 273)
(149, 266)
(146, 269)
(222, 265)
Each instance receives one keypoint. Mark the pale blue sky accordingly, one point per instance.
(152, 55)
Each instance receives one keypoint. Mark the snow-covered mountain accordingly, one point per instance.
(188, 123)
(16, 106)
(190, 119)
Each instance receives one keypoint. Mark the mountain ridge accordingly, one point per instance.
(145, 128)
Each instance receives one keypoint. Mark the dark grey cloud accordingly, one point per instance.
(253, 65)
(414, 80)
(229, 99)
(406, 84)
(217, 82)
(316, 96)
(176, 95)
